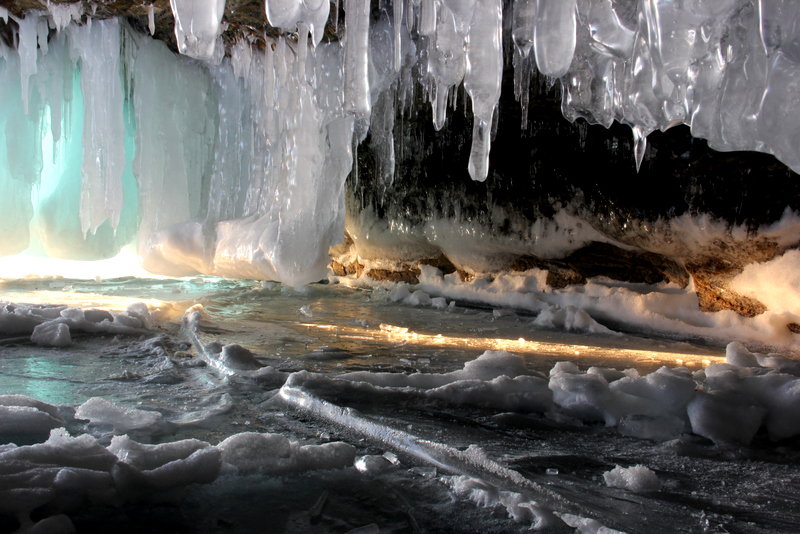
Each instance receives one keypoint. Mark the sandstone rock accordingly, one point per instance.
(409, 276)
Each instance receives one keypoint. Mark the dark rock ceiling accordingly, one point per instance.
(242, 17)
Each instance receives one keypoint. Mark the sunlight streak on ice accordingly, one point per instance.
(399, 334)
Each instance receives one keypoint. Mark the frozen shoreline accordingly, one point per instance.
(738, 407)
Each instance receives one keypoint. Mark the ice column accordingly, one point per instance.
(20, 147)
(523, 25)
(97, 45)
(356, 57)
(397, 20)
(484, 71)
(554, 36)
(175, 133)
(285, 112)
(197, 25)
(446, 62)
(28, 52)
(151, 19)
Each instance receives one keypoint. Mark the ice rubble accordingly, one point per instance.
(728, 69)
(664, 308)
(53, 325)
(66, 472)
(726, 403)
(637, 478)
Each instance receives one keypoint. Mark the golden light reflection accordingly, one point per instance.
(402, 335)
(87, 300)
(27, 266)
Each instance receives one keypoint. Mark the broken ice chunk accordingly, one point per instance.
(52, 334)
(637, 478)
(102, 412)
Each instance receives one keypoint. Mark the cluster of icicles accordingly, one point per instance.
(236, 166)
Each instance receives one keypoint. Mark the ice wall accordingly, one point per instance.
(236, 165)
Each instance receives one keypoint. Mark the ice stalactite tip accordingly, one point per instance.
(197, 25)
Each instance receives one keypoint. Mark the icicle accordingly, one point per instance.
(483, 79)
(554, 36)
(42, 33)
(287, 14)
(356, 57)
(151, 19)
(197, 25)
(302, 50)
(27, 49)
(97, 45)
(283, 13)
(427, 22)
(523, 25)
(63, 14)
(411, 15)
(446, 63)
(463, 11)
(397, 20)
(316, 16)
(639, 145)
(241, 57)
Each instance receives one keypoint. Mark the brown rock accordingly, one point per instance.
(409, 276)
(337, 268)
(559, 277)
(464, 276)
(440, 262)
(604, 259)
(713, 297)
(356, 268)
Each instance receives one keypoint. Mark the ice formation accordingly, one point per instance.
(637, 478)
(259, 145)
(197, 26)
(662, 308)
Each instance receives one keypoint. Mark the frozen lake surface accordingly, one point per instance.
(456, 439)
